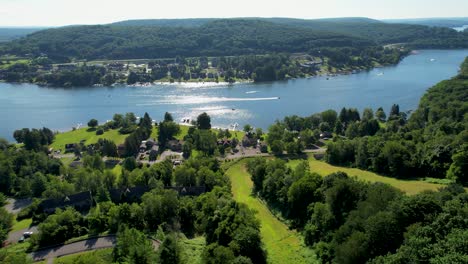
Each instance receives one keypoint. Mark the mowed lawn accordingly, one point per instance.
(90, 137)
(18, 225)
(282, 245)
(408, 186)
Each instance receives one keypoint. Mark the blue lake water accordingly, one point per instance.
(462, 28)
(28, 105)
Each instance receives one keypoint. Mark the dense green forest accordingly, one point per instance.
(416, 36)
(432, 22)
(230, 229)
(217, 38)
(349, 221)
(170, 38)
(431, 143)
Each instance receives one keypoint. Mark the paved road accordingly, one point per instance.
(80, 246)
(13, 237)
(246, 152)
(251, 152)
(14, 206)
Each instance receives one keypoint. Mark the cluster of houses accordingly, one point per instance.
(157, 71)
(148, 146)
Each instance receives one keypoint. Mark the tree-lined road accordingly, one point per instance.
(80, 246)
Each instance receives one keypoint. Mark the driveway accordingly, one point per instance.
(13, 237)
(14, 206)
(246, 152)
(72, 248)
(255, 152)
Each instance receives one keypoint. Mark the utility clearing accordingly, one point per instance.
(282, 245)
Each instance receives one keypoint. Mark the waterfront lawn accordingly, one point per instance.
(282, 245)
(7, 62)
(90, 137)
(408, 186)
(184, 131)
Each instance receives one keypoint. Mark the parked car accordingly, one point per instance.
(27, 234)
(21, 240)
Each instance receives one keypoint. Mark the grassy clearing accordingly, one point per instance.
(7, 62)
(90, 137)
(192, 250)
(18, 247)
(97, 256)
(282, 245)
(184, 131)
(408, 186)
(25, 223)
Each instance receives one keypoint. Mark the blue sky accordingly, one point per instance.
(67, 12)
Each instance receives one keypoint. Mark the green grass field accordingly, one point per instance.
(90, 137)
(25, 223)
(192, 249)
(76, 136)
(184, 131)
(282, 245)
(408, 186)
(7, 62)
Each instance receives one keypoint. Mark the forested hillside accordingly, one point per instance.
(432, 22)
(222, 37)
(385, 33)
(397, 31)
(217, 38)
(433, 142)
(8, 34)
(346, 220)
(184, 22)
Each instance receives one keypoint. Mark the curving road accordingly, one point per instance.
(79, 246)
(14, 206)
(13, 237)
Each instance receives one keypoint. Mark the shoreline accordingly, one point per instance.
(208, 82)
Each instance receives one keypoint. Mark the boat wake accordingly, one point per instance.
(203, 100)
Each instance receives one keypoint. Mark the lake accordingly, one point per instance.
(460, 29)
(28, 105)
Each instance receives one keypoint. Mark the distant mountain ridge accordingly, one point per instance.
(12, 33)
(193, 22)
(182, 22)
(432, 22)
